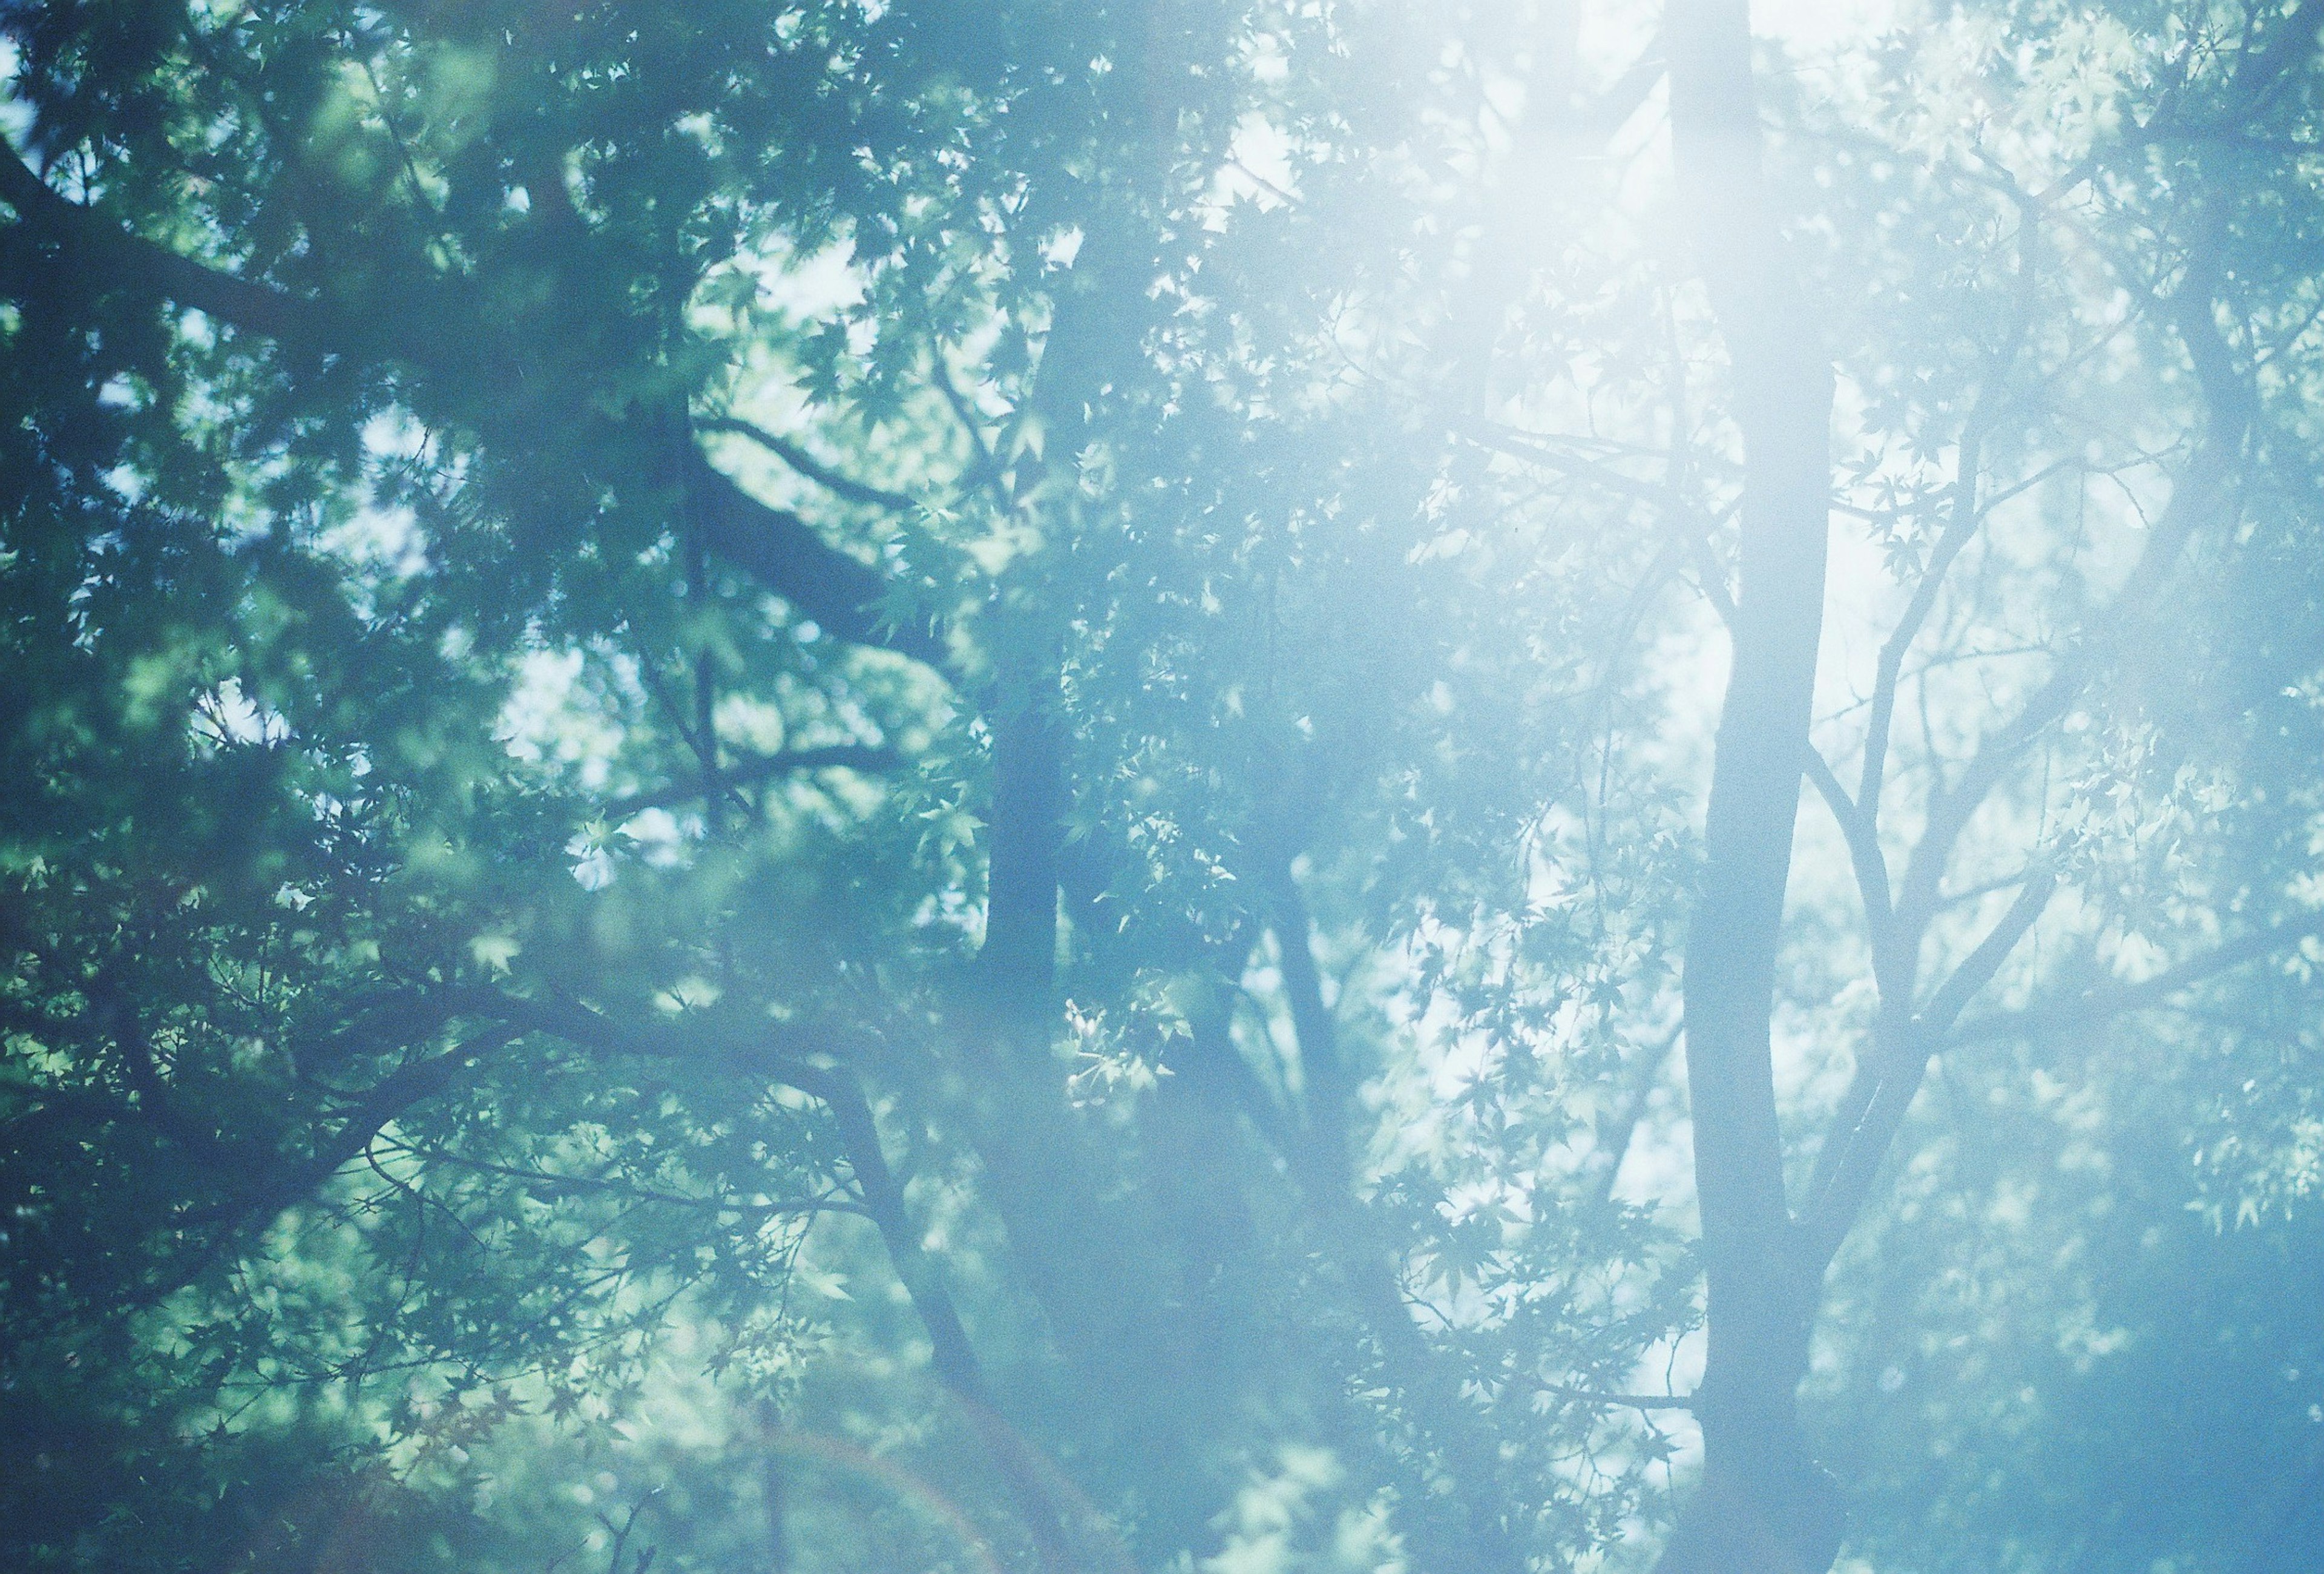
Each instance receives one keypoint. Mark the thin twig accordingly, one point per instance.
(751, 770)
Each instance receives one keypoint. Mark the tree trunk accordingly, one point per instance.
(1763, 1506)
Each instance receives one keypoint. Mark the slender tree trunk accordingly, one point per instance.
(1764, 1506)
(1483, 1539)
(952, 1357)
(1086, 1242)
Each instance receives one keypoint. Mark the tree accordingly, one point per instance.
(1022, 785)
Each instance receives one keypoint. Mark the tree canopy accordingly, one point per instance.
(1229, 786)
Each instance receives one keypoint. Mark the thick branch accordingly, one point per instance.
(1327, 1089)
(268, 1193)
(2257, 76)
(87, 250)
(1211, 1065)
(1977, 970)
(955, 1359)
(83, 249)
(1025, 843)
(775, 546)
(787, 1054)
(807, 464)
(952, 1356)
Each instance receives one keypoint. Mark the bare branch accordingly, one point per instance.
(1694, 524)
(1547, 450)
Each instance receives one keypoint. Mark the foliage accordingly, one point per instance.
(918, 783)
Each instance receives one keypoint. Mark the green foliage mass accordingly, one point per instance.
(915, 784)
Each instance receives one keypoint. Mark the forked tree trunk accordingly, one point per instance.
(1763, 1507)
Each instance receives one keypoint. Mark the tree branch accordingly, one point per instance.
(2198, 492)
(1644, 1079)
(775, 546)
(788, 1053)
(2098, 1005)
(2257, 76)
(270, 1192)
(1620, 1401)
(391, 1095)
(549, 1181)
(1977, 970)
(754, 769)
(952, 1356)
(82, 248)
(1327, 1087)
(1886, 1084)
(787, 1060)
(1213, 1065)
(89, 252)
(1963, 516)
(1859, 826)
(1325, 1165)
(807, 464)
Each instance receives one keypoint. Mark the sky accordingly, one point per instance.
(1814, 24)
